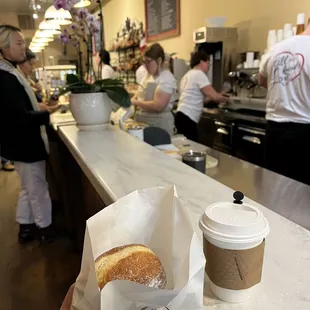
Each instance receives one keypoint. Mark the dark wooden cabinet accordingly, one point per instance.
(206, 130)
(249, 144)
(238, 136)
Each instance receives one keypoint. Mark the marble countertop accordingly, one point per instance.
(117, 164)
(58, 119)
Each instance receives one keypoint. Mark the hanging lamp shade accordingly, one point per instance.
(44, 34)
(36, 44)
(36, 48)
(52, 28)
(60, 17)
(42, 40)
(82, 4)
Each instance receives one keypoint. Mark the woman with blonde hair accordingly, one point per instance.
(23, 138)
(155, 109)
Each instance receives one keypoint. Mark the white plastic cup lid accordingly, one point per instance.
(234, 222)
(301, 19)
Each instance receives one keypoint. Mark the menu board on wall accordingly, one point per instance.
(162, 19)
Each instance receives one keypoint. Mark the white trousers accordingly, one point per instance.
(34, 204)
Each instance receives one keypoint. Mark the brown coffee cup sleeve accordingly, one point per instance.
(234, 269)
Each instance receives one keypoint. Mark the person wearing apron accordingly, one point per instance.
(155, 99)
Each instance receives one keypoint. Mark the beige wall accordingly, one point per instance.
(11, 19)
(193, 14)
(273, 14)
(253, 19)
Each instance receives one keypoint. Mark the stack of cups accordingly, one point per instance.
(250, 59)
(288, 31)
(280, 35)
(233, 242)
(272, 39)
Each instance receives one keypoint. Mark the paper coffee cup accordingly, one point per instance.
(234, 242)
(137, 131)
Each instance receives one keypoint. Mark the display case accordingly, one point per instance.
(52, 78)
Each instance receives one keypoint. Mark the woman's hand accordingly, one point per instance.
(43, 107)
(53, 109)
(66, 305)
(38, 87)
(135, 102)
(50, 109)
(52, 102)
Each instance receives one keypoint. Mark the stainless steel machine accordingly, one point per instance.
(221, 44)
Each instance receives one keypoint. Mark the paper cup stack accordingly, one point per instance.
(280, 35)
(234, 242)
(272, 38)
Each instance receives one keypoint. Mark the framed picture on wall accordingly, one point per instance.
(162, 19)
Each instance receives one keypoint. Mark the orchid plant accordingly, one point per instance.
(84, 29)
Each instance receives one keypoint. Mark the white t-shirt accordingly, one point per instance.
(191, 95)
(141, 73)
(287, 69)
(107, 72)
(165, 82)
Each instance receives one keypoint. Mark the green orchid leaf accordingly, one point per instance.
(109, 82)
(119, 95)
(73, 79)
(73, 87)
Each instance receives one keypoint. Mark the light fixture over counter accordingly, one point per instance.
(44, 35)
(58, 17)
(82, 4)
(51, 28)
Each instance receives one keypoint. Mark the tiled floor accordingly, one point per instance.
(32, 276)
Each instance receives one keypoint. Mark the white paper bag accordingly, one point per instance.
(155, 218)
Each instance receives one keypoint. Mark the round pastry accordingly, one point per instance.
(133, 262)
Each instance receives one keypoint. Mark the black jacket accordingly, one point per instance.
(20, 134)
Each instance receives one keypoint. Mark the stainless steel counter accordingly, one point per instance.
(280, 194)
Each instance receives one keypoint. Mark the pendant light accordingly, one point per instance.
(42, 40)
(44, 35)
(36, 44)
(52, 28)
(36, 48)
(58, 17)
(82, 4)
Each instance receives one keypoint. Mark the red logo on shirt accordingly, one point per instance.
(287, 67)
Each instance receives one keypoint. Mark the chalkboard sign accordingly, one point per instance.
(162, 19)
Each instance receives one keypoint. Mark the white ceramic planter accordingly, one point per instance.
(91, 110)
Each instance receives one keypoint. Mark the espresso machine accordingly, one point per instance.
(220, 43)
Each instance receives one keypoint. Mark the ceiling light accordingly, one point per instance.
(82, 4)
(37, 51)
(35, 16)
(33, 49)
(38, 7)
(42, 40)
(53, 28)
(44, 34)
(36, 47)
(60, 17)
(38, 44)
